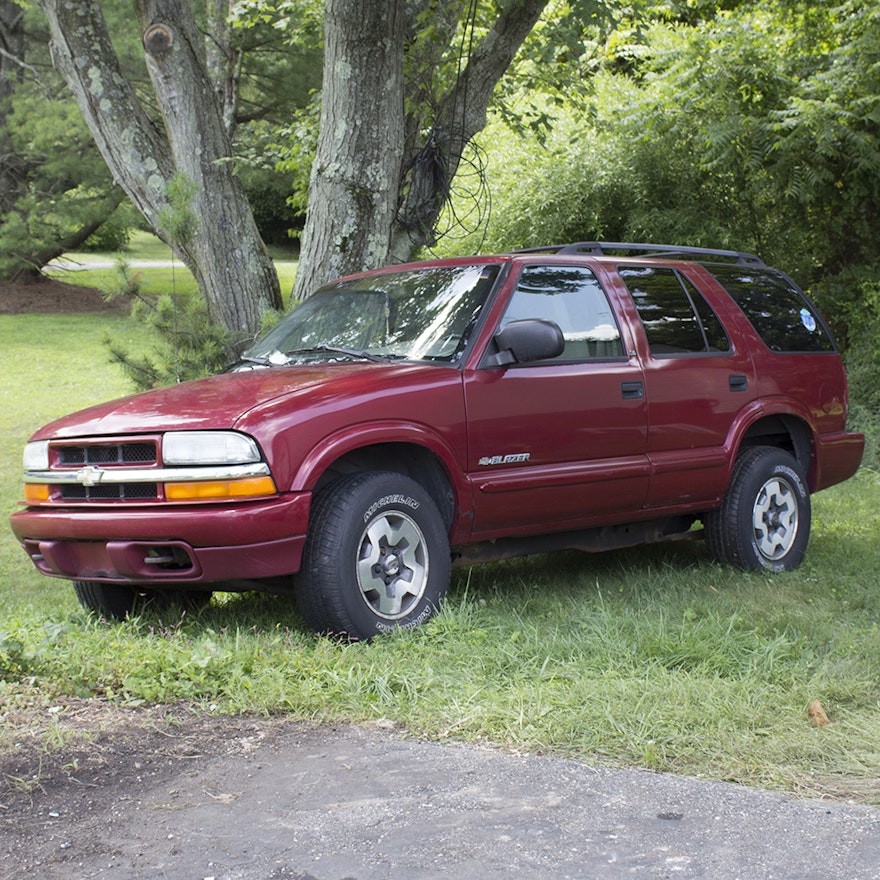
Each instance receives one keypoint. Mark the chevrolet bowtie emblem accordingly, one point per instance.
(89, 476)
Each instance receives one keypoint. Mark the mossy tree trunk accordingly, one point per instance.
(389, 146)
(176, 169)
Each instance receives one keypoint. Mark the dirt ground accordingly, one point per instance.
(79, 758)
(50, 296)
(94, 790)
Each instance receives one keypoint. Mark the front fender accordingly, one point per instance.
(382, 433)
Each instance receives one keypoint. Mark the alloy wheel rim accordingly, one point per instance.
(775, 519)
(392, 565)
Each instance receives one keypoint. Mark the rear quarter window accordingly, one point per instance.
(781, 315)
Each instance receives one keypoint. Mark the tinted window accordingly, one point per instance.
(676, 318)
(713, 330)
(573, 299)
(778, 311)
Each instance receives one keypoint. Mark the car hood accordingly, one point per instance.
(224, 401)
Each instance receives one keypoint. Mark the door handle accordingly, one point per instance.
(738, 382)
(632, 390)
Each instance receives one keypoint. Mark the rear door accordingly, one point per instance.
(698, 377)
(555, 443)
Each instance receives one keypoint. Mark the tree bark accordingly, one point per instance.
(460, 117)
(221, 245)
(380, 181)
(355, 176)
(223, 61)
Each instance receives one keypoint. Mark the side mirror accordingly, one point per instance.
(521, 342)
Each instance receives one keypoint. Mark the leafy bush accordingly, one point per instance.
(114, 233)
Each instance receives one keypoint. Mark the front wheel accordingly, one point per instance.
(376, 557)
(113, 601)
(119, 601)
(764, 520)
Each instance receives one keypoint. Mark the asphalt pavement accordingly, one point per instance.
(313, 802)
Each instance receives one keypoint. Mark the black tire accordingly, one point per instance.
(376, 557)
(113, 601)
(119, 601)
(763, 522)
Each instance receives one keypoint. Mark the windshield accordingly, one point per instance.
(417, 314)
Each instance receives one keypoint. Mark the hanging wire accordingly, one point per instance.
(428, 181)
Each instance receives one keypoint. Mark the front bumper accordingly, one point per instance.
(214, 543)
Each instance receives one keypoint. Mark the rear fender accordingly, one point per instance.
(795, 422)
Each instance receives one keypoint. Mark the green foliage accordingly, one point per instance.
(52, 180)
(294, 145)
(115, 233)
(187, 345)
(178, 222)
(755, 128)
(274, 165)
(275, 146)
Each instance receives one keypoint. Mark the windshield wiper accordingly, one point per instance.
(337, 349)
(261, 361)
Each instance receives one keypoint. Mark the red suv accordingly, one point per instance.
(589, 396)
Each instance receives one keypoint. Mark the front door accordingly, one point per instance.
(555, 443)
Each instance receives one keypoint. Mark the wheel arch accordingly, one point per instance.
(787, 431)
(425, 459)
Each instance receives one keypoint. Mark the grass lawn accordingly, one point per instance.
(651, 657)
(99, 269)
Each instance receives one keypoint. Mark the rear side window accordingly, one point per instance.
(779, 312)
(676, 318)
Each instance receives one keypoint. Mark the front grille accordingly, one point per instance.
(107, 454)
(111, 492)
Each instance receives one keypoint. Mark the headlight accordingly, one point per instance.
(36, 456)
(208, 447)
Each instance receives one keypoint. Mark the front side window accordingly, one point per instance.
(779, 312)
(573, 299)
(675, 316)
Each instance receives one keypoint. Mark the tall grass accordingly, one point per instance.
(651, 657)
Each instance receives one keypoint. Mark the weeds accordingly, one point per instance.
(651, 657)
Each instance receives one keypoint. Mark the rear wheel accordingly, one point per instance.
(376, 557)
(764, 520)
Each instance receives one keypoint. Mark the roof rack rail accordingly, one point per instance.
(601, 248)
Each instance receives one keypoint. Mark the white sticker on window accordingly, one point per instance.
(808, 320)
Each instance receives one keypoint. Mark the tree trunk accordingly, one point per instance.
(223, 61)
(218, 241)
(460, 116)
(380, 181)
(355, 176)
